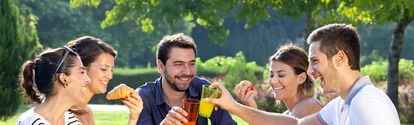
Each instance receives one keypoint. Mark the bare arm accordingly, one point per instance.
(310, 120)
(248, 114)
(306, 107)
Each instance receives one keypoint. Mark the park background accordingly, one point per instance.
(234, 39)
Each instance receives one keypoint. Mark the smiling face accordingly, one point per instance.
(320, 67)
(100, 73)
(179, 70)
(283, 80)
(78, 81)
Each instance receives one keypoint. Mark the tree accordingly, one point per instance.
(58, 23)
(18, 38)
(207, 13)
(400, 12)
(315, 12)
(211, 13)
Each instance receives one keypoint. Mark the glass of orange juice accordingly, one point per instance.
(206, 108)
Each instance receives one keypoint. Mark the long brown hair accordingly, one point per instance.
(296, 58)
(89, 48)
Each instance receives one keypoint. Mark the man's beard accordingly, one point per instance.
(332, 76)
(170, 81)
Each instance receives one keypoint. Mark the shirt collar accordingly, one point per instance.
(159, 94)
(361, 82)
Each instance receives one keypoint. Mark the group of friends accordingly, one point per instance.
(63, 80)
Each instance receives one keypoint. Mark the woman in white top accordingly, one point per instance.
(55, 80)
(98, 58)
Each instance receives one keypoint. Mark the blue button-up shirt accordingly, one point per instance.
(155, 109)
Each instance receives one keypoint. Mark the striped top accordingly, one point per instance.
(32, 118)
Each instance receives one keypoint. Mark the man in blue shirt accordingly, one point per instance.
(176, 56)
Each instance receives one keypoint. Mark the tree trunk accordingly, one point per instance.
(394, 58)
(309, 27)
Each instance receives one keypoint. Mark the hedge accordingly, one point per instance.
(128, 77)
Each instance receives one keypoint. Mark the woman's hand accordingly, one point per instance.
(245, 93)
(134, 104)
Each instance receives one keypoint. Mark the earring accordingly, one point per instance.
(66, 85)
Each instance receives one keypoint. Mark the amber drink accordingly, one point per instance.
(191, 107)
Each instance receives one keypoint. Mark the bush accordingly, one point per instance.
(237, 69)
(234, 70)
(211, 67)
(377, 70)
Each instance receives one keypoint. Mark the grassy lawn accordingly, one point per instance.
(121, 118)
(101, 117)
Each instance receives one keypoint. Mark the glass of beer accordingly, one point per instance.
(191, 107)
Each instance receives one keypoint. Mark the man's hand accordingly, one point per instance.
(176, 116)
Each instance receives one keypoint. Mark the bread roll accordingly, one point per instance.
(120, 91)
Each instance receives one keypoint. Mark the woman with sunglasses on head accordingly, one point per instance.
(99, 59)
(55, 80)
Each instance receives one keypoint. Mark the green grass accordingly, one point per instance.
(104, 117)
(121, 118)
(111, 117)
(101, 117)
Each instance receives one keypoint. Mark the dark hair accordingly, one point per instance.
(169, 41)
(89, 48)
(335, 37)
(38, 77)
(297, 59)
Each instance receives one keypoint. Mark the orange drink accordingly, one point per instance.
(191, 107)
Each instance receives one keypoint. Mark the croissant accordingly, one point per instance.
(118, 92)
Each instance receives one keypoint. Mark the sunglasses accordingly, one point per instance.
(64, 56)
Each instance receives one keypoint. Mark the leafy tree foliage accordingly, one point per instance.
(211, 13)
(18, 39)
(58, 24)
(207, 13)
